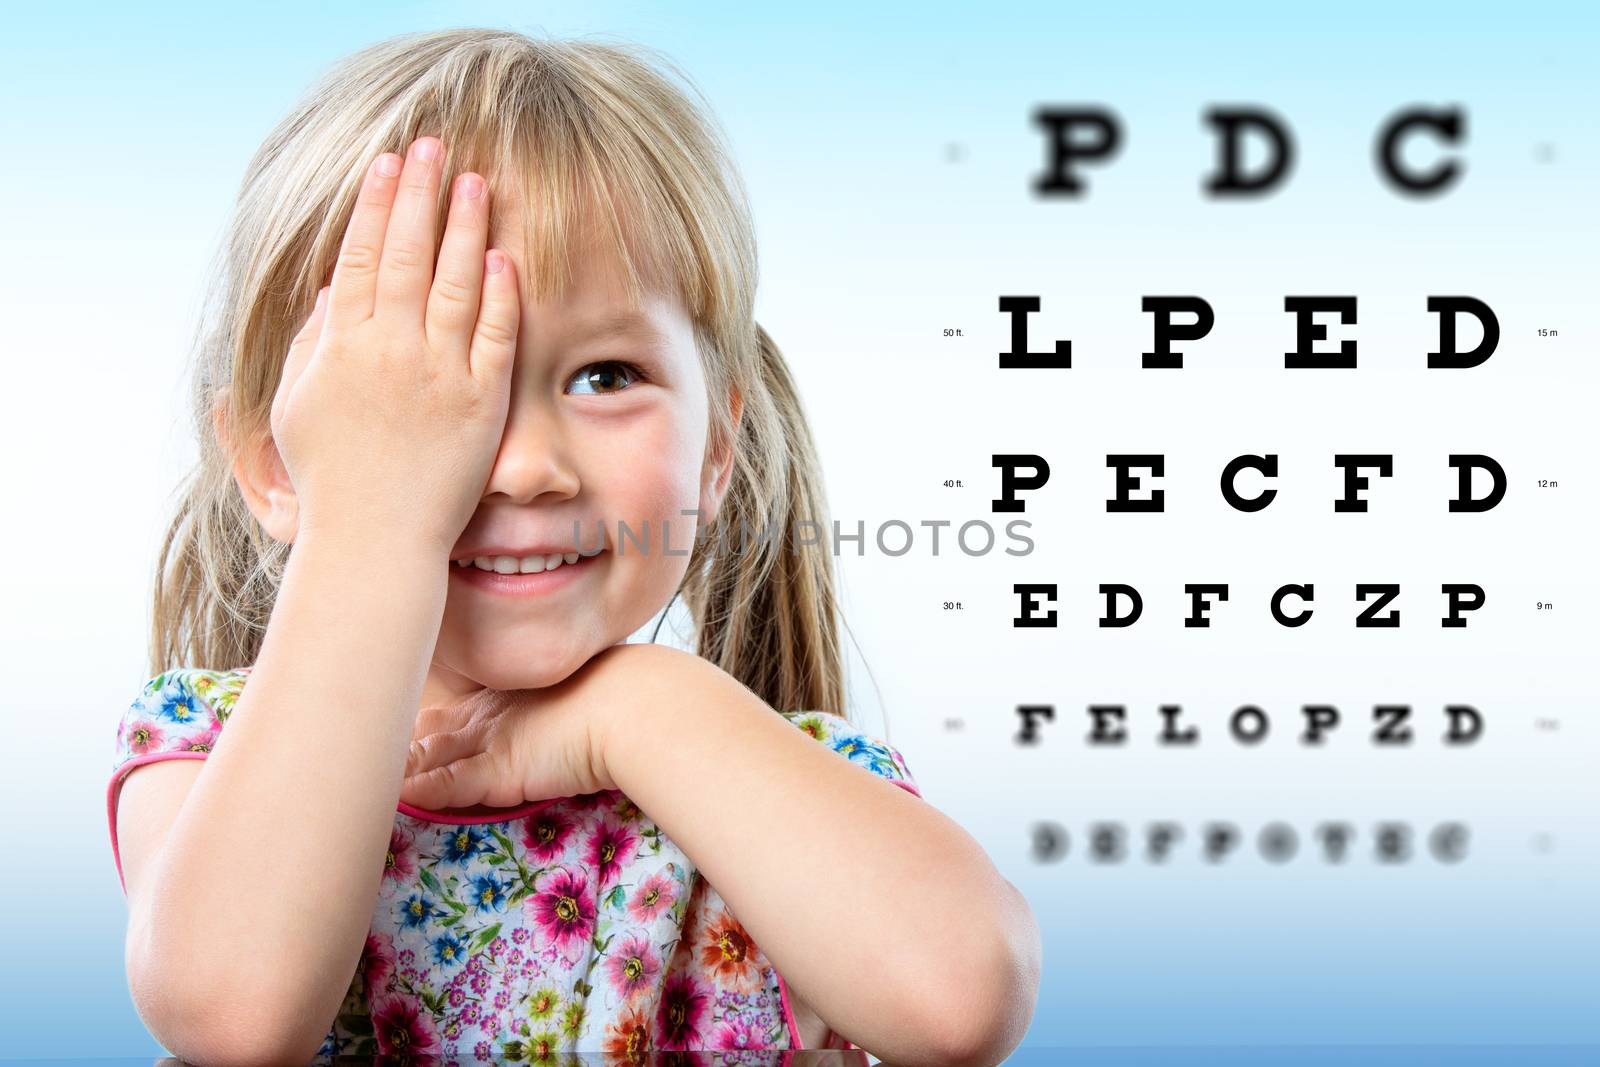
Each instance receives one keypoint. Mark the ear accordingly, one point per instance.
(719, 467)
(262, 479)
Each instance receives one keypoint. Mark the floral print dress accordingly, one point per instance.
(572, 924)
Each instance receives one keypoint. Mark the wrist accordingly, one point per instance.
(391, 544)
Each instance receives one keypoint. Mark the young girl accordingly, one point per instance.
(483, 373)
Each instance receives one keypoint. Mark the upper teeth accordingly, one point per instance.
(519, 565)
(532, 564)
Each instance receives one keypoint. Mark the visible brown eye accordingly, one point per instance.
(603, 377)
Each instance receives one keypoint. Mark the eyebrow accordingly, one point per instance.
(614, 324)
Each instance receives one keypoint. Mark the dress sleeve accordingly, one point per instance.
(178, 714)
(859, 747)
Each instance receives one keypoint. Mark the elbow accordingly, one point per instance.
(982, 1024)
(202, 1023)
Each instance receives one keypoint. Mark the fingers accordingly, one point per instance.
(355, 275)
(405, 269)
(388, 263)
(444, 718)
(440, 748)
(454, 785)
(494, 342)
(458, 278)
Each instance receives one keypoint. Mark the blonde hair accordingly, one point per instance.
(590, 134)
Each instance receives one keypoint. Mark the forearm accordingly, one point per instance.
(881, 913)
(285, 830)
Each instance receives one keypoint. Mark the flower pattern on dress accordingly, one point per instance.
(569, 925)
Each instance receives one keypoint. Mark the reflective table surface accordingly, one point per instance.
(1027, 1056)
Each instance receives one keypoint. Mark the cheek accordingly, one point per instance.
(648, 470)
(647, 476)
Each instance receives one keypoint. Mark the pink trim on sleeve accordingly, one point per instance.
(115, 788)
(794, 1027)
(788, 1013)
(909, 788)
(497, 815)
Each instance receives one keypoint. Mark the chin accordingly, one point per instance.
(523, 677)
(510, 664)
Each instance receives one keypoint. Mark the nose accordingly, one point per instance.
(533, 460)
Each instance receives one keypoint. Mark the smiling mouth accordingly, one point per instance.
(519, 584)
(537, 564)
(534, 562)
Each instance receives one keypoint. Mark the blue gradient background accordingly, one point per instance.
(889, 151)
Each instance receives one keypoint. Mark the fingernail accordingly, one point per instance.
(497, 261)
(425, 149)
(388, 165)
(468, 186)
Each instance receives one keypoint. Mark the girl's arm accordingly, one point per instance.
(882, 914)
(280, 842)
